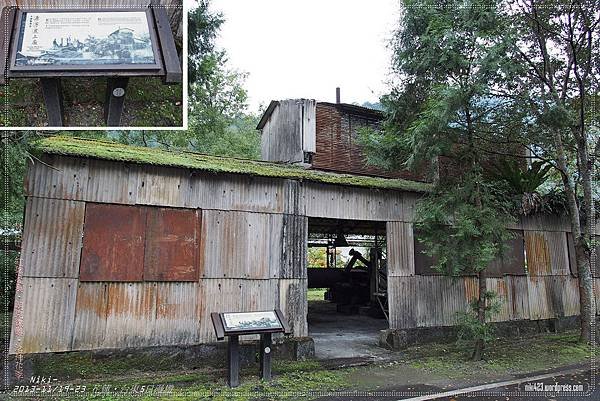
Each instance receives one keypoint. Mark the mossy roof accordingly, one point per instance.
(78, 147)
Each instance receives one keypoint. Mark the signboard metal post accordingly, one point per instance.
(116, 89)
(234, 324)
(233, 361)
(265, 356)
(52, 91)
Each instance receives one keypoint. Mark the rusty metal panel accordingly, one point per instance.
(518, 297)
(237, 192)
(172, 239)
(344, 202)
(402, 301)
(51, 244)
(294, 250)
(135, 314)
(113, 243)
(241, 244)
(57, 177)
(130, 315)
(547, 253)
(90, 316)
(227, 295)
(294, 305)
(48, 314)
(163, 186)
(471, 288)
(112, 182)
(400, 249)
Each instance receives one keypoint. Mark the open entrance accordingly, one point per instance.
(347, 287)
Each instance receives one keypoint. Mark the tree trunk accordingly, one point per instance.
(582, 252)
(481, 305)
(586, 294)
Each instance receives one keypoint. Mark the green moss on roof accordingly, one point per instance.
(69, 146)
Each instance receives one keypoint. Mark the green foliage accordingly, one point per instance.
(203, 27)
(462, 235)
(219, 123)
(522, 180)
(470, 329)
(317, 257)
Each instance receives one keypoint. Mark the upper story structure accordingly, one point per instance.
(321, 136)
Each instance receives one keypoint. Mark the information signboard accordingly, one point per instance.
(251, 321)
(81, 40)
(235, 324)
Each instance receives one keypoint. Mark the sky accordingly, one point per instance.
(307, 48)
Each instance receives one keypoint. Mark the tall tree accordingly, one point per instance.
(219, 120)
(558, 44)
(446, 57)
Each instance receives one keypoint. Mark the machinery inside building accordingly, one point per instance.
(349, 264)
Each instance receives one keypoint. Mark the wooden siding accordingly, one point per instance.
(289, 131)
(51, 245)
(337, 145)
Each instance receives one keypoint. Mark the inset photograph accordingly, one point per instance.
(92, 65)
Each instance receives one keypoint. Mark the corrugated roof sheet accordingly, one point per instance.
(105, 150)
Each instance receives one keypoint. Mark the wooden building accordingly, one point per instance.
(134, 247)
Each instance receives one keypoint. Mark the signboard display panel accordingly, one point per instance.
(251, 321)
(63, 40)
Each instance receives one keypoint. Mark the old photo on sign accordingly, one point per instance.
(84, 39)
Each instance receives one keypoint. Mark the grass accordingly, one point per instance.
(148, 103)
(508, 356)
(291, 380)
(316, 294)
(305, 380)
(118, 152)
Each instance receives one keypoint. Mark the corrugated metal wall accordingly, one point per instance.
(252, 256)
(548, 290)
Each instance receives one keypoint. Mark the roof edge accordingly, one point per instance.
(267, 114)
